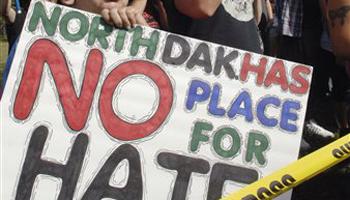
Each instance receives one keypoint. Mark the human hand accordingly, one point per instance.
(122, 16)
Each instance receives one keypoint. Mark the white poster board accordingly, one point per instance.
(92, 112)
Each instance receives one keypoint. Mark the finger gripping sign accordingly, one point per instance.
(93, 112)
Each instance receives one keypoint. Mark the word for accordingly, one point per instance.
(100, 188)
(274, 188)
(341, 151)
(256, 147)
(97, 31)
(76, 109)
(242, 105)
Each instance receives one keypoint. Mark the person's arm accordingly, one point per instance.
(7, 11)
(257, 5)
(270, 14)
(138, 5)
(338, 14)
(163, 16)
(197, 9)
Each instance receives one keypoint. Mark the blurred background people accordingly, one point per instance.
(339, 23)
(14, 13)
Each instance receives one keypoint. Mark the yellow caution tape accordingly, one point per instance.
(295, 173)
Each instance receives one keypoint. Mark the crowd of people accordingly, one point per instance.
(313, 32)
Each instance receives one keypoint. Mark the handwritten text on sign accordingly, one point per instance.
(142, 114)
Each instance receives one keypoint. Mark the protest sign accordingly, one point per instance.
(92, 112)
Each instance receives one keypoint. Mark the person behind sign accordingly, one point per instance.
(333, 58)
(226, 22)
(339, 24)
(14, 19)
(338, 14)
